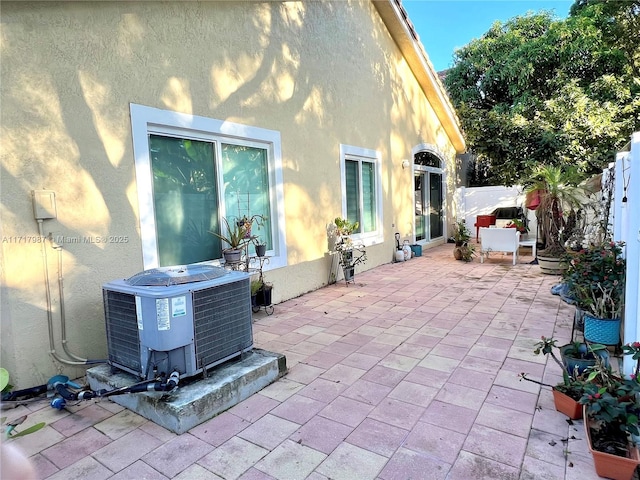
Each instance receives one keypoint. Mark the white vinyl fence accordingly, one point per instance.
(474, 201)
(626, 228)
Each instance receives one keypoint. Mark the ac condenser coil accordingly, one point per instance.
(188, 318)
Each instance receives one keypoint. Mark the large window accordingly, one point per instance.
(361, 187)
(192, 171)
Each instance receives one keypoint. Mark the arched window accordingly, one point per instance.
(427, 159)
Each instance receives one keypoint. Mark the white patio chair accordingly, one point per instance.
(499, 240)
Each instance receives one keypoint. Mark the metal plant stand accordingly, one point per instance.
(348, 259)
(263, 296)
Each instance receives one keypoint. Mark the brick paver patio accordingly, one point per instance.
(410, 373)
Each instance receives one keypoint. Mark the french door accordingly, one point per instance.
(429, 208)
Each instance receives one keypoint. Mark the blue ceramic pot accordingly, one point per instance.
(601, 330)
(581, 364)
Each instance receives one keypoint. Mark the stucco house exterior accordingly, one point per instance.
(138, 126)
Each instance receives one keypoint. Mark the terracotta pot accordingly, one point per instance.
(612, 466)
(567, 405)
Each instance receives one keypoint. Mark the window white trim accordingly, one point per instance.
(148, 120)
(349, 152)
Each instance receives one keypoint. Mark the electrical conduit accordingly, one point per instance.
(47, 285)
(63, 318)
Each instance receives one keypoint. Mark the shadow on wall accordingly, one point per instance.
(66, 123)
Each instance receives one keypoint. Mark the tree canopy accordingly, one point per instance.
(538, 90)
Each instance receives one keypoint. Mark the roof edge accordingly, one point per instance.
(401, 29)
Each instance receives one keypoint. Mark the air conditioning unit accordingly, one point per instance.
(188, 318)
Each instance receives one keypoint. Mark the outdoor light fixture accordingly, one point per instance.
(405, 163)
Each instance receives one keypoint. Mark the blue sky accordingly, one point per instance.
(444, 25)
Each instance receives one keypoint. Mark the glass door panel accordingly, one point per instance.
(419, 194)
(436, 229)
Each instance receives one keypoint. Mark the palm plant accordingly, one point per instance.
(559, 195)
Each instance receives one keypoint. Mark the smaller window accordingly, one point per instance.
(361, 191)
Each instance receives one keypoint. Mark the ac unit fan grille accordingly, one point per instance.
(222, 322)
(122, 329)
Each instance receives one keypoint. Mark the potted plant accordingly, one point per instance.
(596, 281)
(461, 233)
(557, 194)
(344, 243)
(467, 252)
(261, 295)
(577, 357)
(349, 254)
(567, 393)
(611, 406)
(461, 236)
(261, 291)
(519, 225)
(611, 423)
(256, 285)
(235, 237)
(260, 246)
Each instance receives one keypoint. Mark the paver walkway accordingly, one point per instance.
(411, 373)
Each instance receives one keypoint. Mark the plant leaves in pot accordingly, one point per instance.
(609, 425)
(461, 233)
(611, 409)
(596, 279)
(566, 393)
(235, 237)
(558, 194)
(578, 356)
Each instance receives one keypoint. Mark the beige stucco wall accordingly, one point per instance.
(320, 73)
